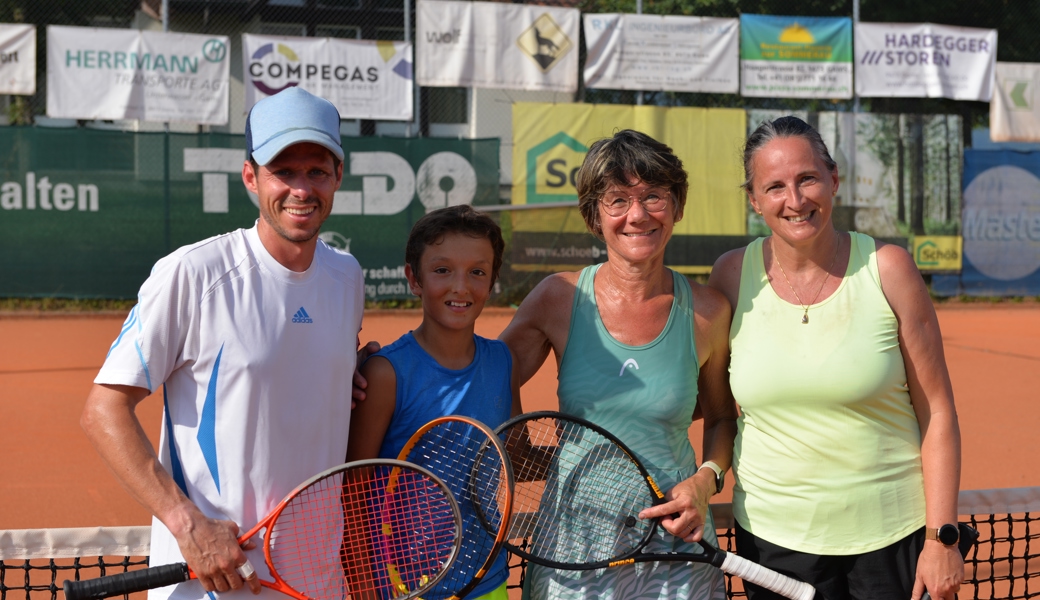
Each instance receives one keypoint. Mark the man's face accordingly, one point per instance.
(295, 190)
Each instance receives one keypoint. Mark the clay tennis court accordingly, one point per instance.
(51, 477)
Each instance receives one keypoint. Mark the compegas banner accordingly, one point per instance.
(17, 59)
(364, 79)
(795, 57)
(1014, 112)
(661, 52)
(550, 142)
(1001, 226)
(496, 45)
(925, 60)
(97, 73)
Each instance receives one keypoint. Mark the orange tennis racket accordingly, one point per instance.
(366, 529)
(468, 456)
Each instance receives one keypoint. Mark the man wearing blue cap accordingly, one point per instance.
(252, 337)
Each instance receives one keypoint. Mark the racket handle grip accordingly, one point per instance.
(769, 579)
(126, 583)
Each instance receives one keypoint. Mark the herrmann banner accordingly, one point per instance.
(1014, 112)
(795, 57)
(97, 73)
(662, 52)
(86, 212)
(925, 60)
(1001, 226)
(17, 59)
(364, 79)
(496, 45)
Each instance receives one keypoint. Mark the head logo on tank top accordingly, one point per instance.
(628, 363)
(301, 316)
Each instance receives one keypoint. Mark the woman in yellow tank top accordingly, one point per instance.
(847, 457)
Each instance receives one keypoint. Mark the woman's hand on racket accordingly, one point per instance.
(940, 570)
(210, 547)
(683, 512)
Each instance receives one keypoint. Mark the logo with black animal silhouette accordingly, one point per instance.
(544, 42)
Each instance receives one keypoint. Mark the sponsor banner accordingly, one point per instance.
(934, 253)
(550, 141)
(658, 52)
(554, 251)
(17, 59)
(925, 60)
(87, 212)
(496, 45)
(1001, 226)
(129, 74)
(795, 57)
(364, 79)
(1014, 112)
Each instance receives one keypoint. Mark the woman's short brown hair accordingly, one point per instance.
(618, 160)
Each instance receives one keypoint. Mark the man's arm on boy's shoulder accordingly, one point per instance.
(370, 419)
(359, 383)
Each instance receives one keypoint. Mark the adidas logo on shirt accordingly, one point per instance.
(301, 316)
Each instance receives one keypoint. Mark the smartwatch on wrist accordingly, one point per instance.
(947, 535)
(720, 475)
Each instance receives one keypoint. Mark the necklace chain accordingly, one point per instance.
(826, 275)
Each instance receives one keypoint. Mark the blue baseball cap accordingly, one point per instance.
(291, 116)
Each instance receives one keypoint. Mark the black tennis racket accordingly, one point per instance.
(468, 456)
(366, 529)
(578, 493)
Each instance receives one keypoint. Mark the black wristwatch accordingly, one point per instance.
(720, 475)
(947, 535)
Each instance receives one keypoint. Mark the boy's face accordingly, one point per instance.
(456, 279)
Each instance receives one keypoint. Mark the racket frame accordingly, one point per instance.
(174, 573)
(721, 559)
(491, 441)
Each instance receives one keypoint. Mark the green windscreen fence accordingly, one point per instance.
(87, 212)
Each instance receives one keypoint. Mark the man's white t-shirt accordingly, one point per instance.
(256, 363)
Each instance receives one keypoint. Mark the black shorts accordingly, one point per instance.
(884, 574)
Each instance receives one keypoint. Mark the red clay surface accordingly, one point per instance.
(51, 477)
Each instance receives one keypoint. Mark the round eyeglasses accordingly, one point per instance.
(619, 206)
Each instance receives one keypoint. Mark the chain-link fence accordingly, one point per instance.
(447, 111)
(915, 144)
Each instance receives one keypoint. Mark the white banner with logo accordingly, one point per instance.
(667, 53)
(925, 60)
(17, 59)
(129, 74)
(1014, 112)
(496, 45)
(364, 79)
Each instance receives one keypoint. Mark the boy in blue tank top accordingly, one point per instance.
(452, 260)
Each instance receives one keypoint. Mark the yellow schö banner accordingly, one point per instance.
(550, 141)
(938, 252)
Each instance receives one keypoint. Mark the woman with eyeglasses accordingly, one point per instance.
(641, 351)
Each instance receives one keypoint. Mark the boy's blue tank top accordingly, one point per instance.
(426, 390)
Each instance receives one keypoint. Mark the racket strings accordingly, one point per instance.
(374, 531)
(581, 494)
(459, 453)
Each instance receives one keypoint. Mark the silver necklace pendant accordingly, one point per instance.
(805, 318)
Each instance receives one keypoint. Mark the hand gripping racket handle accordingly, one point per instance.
(126, 583)
(767, 578)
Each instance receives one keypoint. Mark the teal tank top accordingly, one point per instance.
(827, 458)
(645, 395)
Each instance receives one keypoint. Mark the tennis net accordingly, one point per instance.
(1005, 563)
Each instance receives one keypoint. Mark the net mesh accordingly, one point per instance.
(1005, 562)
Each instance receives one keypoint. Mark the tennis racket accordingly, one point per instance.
(468, 456)
(366, 529)
(578, 493)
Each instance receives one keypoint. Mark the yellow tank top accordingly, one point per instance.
(828, 451)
